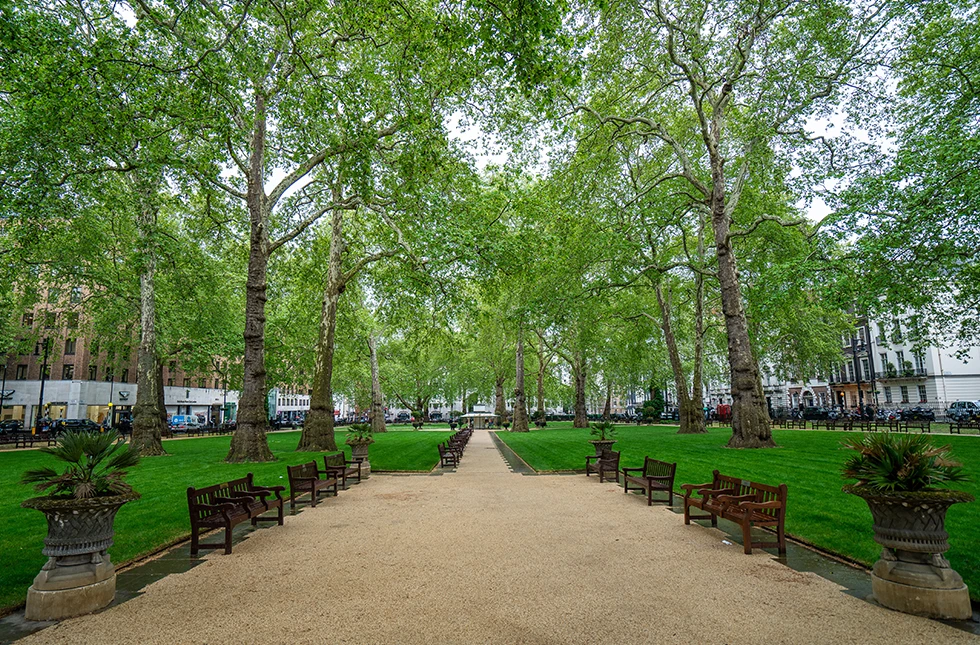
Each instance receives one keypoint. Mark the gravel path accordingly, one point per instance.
(483, 555)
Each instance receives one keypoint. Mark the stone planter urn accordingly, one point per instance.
(602, 445)
(912, 575)
(359, 452)
(78, 577)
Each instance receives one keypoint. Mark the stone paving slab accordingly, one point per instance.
(486, 555)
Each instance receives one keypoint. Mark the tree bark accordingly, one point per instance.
(500, 405)
(697, 380)
(520, 400)
(607, 408)
(249, 443)
(377, 397)
(542, 412)
(147, 424)
(580, 376)
(750, 414)
(318, 431)
(691, 419)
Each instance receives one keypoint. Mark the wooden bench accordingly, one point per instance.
(959, 426)
(447, 457)
(655, 475)
(221, 506)
(922, 425)
(263, 498)
(741, 501)
(305, 478)
(342, 467)
(608, 462)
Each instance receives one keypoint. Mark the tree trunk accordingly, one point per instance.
(318, 433)
(520, 400)
(750, 415)
(581, 412)
(500, 406)
(542, 413)
(697, 381)
(377, 398)
(249, 443)
(147, 425)
(607, 408)
(689, 423)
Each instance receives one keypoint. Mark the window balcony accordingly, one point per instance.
(915, 373)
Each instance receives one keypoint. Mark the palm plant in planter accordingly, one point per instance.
(80, 508)
(604, 430)
(903, 480)
(359, 437)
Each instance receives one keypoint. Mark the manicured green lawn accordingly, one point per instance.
(160, 517)
(807, 461)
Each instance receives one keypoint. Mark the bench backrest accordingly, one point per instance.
(443, 449)
(335, 459)
(306, 470)
(242, 484)
(198, 496)
(762, 492)
(657, 468)
(609, 460)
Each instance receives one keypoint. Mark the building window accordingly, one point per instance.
(28, 319)
(76, 295)
(897, 331)
(888, 395)
(905, 394)
(850, 371)
(94, 348)
(861, 337)
(93, 372)
(881, 334)
(72, 320)
(900, 361)
(46, 372)
(69, 346)
(172, 366)
(21, 373)
(109, 375)
(922, 394)
(187, 382)
(846, 340)
(125, 376)
(54, 295)
(49, 319)
(170, 382)
(201, 383)
(865, 369)
(920, 362)
(67, 372)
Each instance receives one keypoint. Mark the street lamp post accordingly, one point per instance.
(112, 382)
(40, 396)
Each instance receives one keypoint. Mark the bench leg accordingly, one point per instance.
(228, 539)
(314, 496)
(687, 512)
(649, 495)
(747, 536)
(280, 514)
(195, 540)
(670, 496)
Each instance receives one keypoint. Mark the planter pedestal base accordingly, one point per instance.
(365, 469)
(921, 588)
(65, 603)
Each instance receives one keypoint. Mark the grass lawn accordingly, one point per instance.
(160, 517)
(808, 462)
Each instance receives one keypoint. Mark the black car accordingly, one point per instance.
(63, 425)
(11, 425)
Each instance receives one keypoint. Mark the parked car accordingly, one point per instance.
(61, 425)
(963, 411)
(11, 425)
(435, 416)
(403, 417)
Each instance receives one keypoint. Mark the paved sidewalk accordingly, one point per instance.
(484, 555)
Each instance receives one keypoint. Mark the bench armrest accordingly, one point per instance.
(694, 487)
(752, 506)
(271, 489)
(629, 470)
(737, 499)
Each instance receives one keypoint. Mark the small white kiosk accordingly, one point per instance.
(479, 420)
